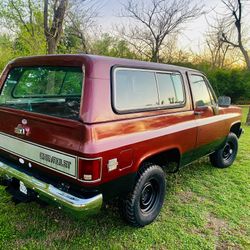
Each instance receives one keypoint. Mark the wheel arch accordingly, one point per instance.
(236, 128)
(162, 158)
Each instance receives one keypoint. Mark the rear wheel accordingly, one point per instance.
(224, 157)
(144, 203)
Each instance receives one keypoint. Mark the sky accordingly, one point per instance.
(192, 37)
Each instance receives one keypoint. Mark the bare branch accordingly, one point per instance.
(20, 16)
(234, 8)
(152, 23)
(225, 40)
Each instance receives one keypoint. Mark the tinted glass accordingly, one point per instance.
(53, 91)
(47, 81)
(200, 91)
(135, 89)
(170, 89)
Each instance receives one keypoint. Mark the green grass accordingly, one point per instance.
(206, 208)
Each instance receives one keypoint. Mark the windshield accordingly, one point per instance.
(54, 91)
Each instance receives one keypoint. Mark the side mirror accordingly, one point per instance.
(201, 106)
(224, 101)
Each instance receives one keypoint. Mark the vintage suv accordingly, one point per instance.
(78, 130)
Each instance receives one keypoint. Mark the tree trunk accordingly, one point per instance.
(248, 118)
(51, 43)
(53, 30)
(155, 55)
(246, 56)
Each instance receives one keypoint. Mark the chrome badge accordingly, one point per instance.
(20, 130)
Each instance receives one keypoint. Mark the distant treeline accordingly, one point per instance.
(234, 83)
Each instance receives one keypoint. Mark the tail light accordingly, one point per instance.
(90, 169)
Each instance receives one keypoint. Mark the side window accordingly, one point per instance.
(170, 89)
(135, 89)
(200, 91)
(138, 89)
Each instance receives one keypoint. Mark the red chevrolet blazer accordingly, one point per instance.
(79, 130)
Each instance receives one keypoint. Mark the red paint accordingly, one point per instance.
(102, 133)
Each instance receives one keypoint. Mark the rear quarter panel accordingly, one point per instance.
(131, 137)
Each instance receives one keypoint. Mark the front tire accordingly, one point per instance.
(144, 203)
(224, 157)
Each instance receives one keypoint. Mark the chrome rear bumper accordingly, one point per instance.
(52, 194)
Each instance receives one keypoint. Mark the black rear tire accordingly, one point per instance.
(144, 203)
(224, 157)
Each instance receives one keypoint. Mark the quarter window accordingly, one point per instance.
(170, 89)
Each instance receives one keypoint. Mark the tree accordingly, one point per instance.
(53, 30)
(234, 25)
(81, 23)
(112, 46)
(218, 53)
(22, 20)
(218, 49)
(6, 51)
(38, 26)
(151, 23)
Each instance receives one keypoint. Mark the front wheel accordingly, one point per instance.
(224, 157)
(144, 203)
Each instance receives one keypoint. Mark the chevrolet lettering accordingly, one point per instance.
(55, 160)
(80, 130)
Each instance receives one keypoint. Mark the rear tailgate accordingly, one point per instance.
(49, 143)
(35, 129)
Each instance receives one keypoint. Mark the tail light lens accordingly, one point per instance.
(89, 169)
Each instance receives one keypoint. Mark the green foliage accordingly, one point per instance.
(31, 43)
(23, 20)
(111, 46)
(234, 83)
(6, 51)
(70, 43)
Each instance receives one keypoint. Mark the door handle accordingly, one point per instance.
(198, 112)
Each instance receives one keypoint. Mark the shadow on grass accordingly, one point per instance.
(109, 216)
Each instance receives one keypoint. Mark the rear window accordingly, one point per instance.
(136, 89)
(54, 91)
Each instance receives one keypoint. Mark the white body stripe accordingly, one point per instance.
(175, 128)
(41, 155)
